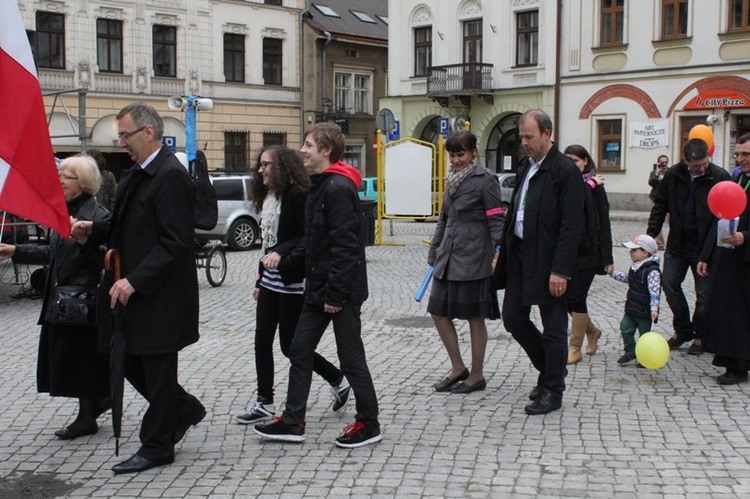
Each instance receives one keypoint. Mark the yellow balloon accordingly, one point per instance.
(652, 350)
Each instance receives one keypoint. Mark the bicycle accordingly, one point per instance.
(213, 258)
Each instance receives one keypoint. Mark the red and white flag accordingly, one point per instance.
(29, 185)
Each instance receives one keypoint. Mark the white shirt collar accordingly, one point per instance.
(150, 159)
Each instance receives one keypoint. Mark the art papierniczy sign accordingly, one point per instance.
(720, 98)
(649, 135)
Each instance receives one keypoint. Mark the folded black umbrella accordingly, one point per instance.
(116, 352)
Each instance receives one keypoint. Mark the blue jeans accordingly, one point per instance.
(347, 328)
(675, 270)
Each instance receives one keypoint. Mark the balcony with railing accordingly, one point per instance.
(455, 79)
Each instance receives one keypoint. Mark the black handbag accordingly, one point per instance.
(72, 306)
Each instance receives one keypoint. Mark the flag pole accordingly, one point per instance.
(2, 226)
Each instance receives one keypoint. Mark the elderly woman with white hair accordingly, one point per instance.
(69, 364)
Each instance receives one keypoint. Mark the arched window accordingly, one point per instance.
(504, 150)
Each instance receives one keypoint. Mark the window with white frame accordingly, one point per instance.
(527, 38)
(674, 19)
(422, 50)
(612, 22)
(739, 15)
(609, 132)
(353, 92)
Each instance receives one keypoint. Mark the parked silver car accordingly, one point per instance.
(238, 221)
(507, 183)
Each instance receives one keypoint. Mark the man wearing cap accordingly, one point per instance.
(644, 292)
(683, 194)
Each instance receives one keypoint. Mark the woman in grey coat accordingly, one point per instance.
(463, 253)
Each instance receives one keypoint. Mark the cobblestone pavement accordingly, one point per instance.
(622, 432)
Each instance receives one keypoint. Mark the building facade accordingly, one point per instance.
(638, 75)
(242, 54)
(627, 79)
(345, 66)
(480, 61)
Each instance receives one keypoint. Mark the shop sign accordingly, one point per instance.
(720, 98)
(649, 135)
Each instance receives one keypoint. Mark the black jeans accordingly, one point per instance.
(282, 310)
(675, 270)
(548, 350)
(347, 328)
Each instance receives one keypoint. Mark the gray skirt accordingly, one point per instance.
(463, 299)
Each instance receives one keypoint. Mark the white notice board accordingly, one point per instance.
(408, 179)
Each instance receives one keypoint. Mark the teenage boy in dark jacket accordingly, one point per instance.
(683, 194)
(335, 289)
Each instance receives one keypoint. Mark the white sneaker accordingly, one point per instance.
(256, 413)
(340, 395)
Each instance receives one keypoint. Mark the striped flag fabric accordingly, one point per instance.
(29, 185)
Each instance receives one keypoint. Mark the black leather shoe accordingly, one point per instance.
(535, 392)
(732, 377)
(179, 433)
(72, 431)
(548, 401)
(677, 340)
(138, 463)
(446, 384)
(467, 388)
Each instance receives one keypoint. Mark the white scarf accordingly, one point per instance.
(269, 221)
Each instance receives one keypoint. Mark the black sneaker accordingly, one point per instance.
(358, 434)
(626, 358)
(279, 430)
(340, 395)
(256, 413)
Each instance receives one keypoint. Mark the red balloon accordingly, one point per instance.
(727, 200)
(711, 151)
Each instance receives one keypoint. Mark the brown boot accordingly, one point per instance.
(593, 334)
(577, 331)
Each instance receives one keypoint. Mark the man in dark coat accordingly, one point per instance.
(335, 289)
(729, 292)
(152, 228)
(543, 227)
(683, 194)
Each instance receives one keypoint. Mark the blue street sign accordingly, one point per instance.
(170, 141)
(396, 132)
(444, 127)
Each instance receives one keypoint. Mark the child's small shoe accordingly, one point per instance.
(626, 358)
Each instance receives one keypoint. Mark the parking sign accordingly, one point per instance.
(170, 141)
(395, 134)
(444, 127)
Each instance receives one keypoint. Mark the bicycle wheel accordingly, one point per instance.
(216, 266)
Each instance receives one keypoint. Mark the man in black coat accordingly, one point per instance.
(543, 227)
(152, 227)
(335, 289)
(683, 194)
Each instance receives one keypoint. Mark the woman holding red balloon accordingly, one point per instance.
(729, 264)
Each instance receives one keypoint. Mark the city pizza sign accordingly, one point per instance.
(714, 99)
